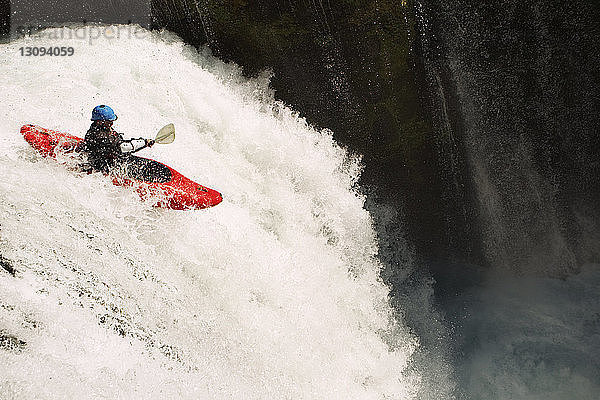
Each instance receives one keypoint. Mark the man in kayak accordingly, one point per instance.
(105, 147)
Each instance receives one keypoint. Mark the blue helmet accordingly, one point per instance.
(103, 113)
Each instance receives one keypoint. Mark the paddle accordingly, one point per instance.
(166, 135)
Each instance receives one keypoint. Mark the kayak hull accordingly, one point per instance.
(152, 180)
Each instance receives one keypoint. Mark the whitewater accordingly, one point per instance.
(276, 293)
(273, 294)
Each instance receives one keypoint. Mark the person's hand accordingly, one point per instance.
(150, 142)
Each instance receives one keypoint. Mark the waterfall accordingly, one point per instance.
(275, 293)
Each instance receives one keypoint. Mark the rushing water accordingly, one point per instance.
(275, 293)
(522, 337)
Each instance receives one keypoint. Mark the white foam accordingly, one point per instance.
(272, 294)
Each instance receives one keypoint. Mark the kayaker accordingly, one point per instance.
(105, 147)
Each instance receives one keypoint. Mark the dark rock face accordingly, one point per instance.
(525, 78)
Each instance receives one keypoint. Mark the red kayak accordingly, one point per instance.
(151, 179)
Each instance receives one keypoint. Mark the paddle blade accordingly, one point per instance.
(166, 135)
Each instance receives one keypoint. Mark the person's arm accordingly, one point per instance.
(133, 145)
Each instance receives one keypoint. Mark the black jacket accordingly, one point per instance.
(106, 147)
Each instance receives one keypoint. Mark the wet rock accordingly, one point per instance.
(7, 266)
(11, 343)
